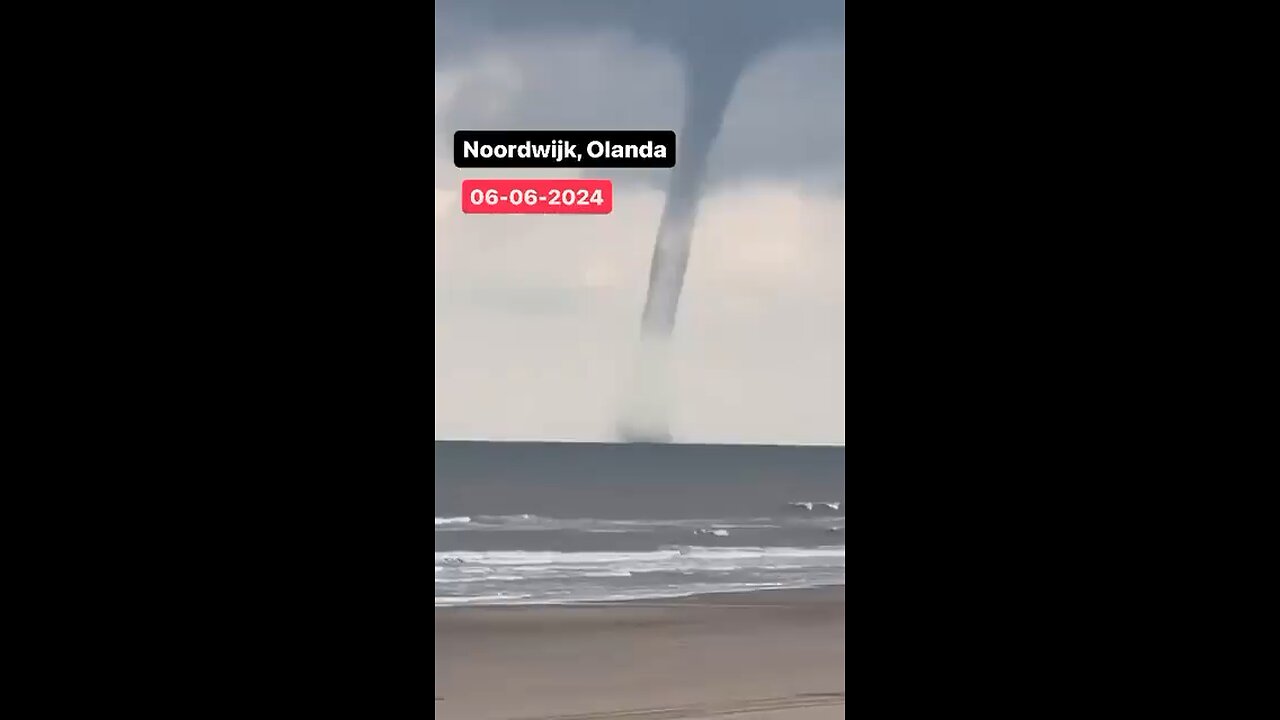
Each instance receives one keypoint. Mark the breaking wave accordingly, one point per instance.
(809, 505)
(527, 558)
(681, 553)
(499, 576)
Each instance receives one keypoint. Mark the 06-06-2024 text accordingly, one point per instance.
(580, 196)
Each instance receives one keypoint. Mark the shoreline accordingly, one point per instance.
(763, 654)
(728, 598)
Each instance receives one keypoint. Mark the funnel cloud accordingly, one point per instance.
(710, 78)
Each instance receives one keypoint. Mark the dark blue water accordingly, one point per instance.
(572, 522)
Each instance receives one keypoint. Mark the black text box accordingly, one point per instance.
(564, 148)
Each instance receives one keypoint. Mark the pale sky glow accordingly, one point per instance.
(537, 317)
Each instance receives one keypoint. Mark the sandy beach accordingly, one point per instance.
(758, 656)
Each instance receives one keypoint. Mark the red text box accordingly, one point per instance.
(576, 196)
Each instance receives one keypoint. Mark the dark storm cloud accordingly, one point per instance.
(672, 23)
(618, 64)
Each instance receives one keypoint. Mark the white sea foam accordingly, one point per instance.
(808, 505)
(499, 598)
(566, 597)
(670, 559)
(486, 578)
(593, 568)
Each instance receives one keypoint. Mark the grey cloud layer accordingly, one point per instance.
(616, 67)
(675, 24)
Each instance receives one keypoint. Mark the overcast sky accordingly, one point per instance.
(538, 317)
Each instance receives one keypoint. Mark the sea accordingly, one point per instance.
(559, 522)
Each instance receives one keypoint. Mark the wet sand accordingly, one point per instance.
(758, 656)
